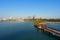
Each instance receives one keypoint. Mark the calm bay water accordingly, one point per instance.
(55, 26)
(22, 31)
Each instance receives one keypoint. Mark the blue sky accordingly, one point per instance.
(23, 8)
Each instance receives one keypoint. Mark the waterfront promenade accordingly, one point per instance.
(51, 30)
(44, 27)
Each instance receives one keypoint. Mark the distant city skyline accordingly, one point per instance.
(24, 8)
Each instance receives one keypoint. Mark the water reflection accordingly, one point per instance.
(38, 29)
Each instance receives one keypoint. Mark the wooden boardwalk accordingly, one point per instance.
(48, 29)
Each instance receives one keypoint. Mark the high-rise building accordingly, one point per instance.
(10, 17)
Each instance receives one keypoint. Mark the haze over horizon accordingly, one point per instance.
(24, 8)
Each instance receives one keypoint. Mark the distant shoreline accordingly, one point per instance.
(52, 22)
